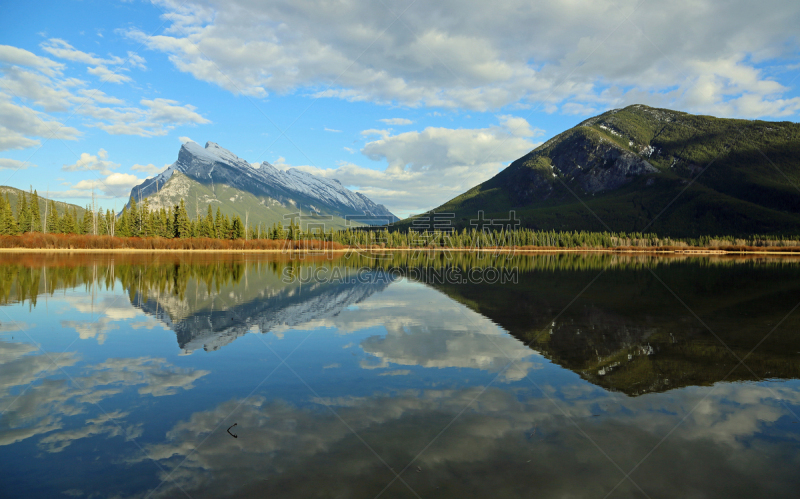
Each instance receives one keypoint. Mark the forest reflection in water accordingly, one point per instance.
(560, 379)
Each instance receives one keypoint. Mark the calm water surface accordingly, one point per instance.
(584, 376)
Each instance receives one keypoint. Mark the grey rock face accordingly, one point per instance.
(599, 166)
(310, 193)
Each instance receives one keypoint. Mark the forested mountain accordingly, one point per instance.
(644, 169)
(22, 211)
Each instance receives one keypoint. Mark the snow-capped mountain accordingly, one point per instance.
(313, 195)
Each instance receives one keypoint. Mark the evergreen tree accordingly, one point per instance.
(23, 214)
(88, 221)
(170, 223)
(218, 224)
(110, 226)
(226, 227)
(237, 228)
(8, 225)
(147, 220)
(122, 224)
(52, 218)
(209, 229)
(134, 219)
(36, 217)
(182, 226)
(163, 224)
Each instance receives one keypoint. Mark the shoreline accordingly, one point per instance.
(529, 251)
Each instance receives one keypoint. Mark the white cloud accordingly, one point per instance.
(63, 50)
(484, 56)
(14, 164)
(108, 184)
(428, 167)
(19, 123)
(105, 74)
(88, 162)
(397, 121)
(332, 130)
(185, 139)
(28, 82)
(157, 117)
(375, 131)
(20, 57)
(149, 169)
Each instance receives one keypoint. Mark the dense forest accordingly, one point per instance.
(144, 224)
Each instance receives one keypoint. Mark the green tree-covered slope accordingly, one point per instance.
(655, 170)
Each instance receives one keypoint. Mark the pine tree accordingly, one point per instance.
(147, 220)
(218, 224)
(226, 227)
(52, 218)
(170, 223)
(237, 228)
(122, 224)
(182, 226)
(134, 219)
(208, 229)
(87, 226)
(23, 214)
(163, 224)
(36, 217)
(8, 225)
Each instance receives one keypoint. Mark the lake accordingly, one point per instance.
(207, 375)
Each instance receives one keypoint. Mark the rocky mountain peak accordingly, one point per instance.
(214, 165)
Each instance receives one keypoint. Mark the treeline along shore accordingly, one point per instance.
(140, 228)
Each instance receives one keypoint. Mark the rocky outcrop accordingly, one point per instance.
(596, 165)
(582, 160)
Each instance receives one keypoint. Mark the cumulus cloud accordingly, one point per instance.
(426, 168)
(108, 183)
(88, 162)
(707, 56)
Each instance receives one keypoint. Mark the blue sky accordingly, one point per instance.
(409, 102)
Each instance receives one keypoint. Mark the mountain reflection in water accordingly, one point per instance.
(390, 380)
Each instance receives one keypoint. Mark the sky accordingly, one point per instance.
(409, 102)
